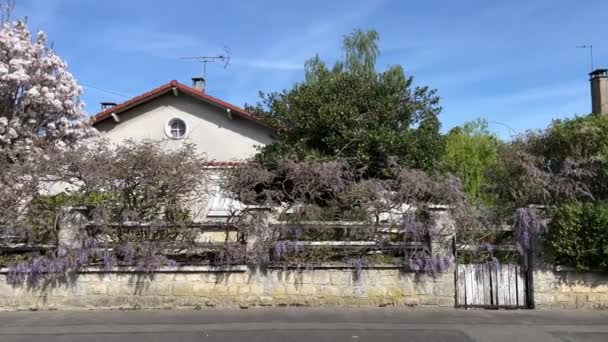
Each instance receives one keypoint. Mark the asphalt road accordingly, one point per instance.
(295, 325)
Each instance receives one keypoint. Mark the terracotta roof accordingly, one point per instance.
(154, 93)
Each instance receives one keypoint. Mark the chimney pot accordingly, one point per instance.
(198, 83)
(599, 91)
(106, 105)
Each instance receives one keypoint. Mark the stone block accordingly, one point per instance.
(307, 290)
(279, 290)
(256, 289)
(118, 289)
(52, 292)
(597, 297)
(372, 278)
(265, 301)
(164, 277)
(188, 301)
(360, 292)
(424, 287)
(442, 289)
(281, 300)
(182, 289)
(312, 301)
(224, 290)
(161, 289)
(346, 291)
(383, 302)
(563, 297)
(544, 298)
(304, 277)
(411, 301)
(297, 301)
(71, 302)
(321, 277)
(564, 305)
(348, 301)
(600, 288)
(582, 301)
(212, 302)
(578, 288)
(206, 278)
(376, 292)
(389, 277)
(292, 289)
(202, 289)
(98, 288)
(185, 277)
(395, 292)
(341, 278)
(121, 302)
(151, 302)
(331, 301)
(7, 290)
(236, 278)
(445, 301)
(328, 291)
(429, 300)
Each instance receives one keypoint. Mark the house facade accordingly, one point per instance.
(176, 114)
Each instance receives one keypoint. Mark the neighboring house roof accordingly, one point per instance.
(154, 93)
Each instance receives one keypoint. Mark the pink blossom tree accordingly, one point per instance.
(40, 114)
(39, 98)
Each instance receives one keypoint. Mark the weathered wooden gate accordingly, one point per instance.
(492, 286)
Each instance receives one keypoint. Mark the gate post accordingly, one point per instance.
(442, 230)
(70, 233)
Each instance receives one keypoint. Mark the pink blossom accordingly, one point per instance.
(45, 96)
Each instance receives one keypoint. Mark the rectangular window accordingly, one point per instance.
(221, 205)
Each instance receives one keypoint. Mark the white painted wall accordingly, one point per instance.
(209, 127)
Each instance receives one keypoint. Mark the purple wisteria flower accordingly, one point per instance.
(109, 260)
(357, 264)
(528, 224)
(430, 264)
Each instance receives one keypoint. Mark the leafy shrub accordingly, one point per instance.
(470, 152)
(44, 211)
(578, 235)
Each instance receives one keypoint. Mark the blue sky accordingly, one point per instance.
(511, 62)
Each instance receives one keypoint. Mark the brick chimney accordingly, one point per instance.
(198, 83)
(599, 91)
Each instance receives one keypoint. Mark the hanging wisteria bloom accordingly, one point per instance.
(528, 224)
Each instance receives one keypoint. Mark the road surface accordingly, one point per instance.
(295, 325)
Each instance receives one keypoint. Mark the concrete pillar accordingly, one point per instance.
(442, 230)
(71, 233)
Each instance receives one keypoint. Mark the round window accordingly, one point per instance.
(176, 128)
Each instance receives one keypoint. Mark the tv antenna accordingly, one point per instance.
(223, 58)
(590, 47)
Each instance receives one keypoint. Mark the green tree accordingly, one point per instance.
(470, 152)
(355, 113)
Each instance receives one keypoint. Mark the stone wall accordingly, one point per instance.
(202, 287)
(568, 289)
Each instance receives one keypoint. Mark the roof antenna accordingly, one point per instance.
(590, 47)
(223, 57)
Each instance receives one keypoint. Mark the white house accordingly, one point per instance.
(177, 113)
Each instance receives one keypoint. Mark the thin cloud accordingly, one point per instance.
(150, 42)
(269, 64)
(564, 91)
